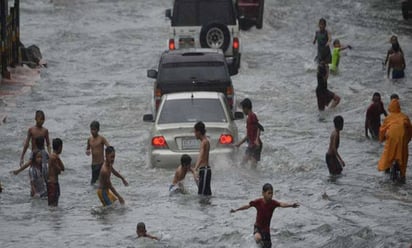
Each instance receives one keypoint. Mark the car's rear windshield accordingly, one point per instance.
(189, 71)
(203, 12)
(191, 110)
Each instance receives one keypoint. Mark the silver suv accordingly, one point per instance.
(206, 24)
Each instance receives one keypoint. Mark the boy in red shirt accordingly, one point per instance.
(264, 207)
(373, 116)
(252, 137)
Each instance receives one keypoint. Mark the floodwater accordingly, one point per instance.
(98, 53)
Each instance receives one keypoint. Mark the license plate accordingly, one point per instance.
(186, 42)
(190, 144)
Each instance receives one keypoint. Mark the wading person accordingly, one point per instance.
(106, 192)
(396, 132)
(253, 128)
(265, 207)
(393, 40)
(323, 94)
(396, 63)
(33, 133)
(323, 38)
(39, 141)
(177, 185)
(142, 232)
(373, 116)
(202, 163)
(333, 160)
(337, 47)
(56, 166)
(95, 147)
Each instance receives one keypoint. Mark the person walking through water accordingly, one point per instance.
(323, 38)
(323, 94)
(333, 159)
(396, 63)
(95, 147)
(202, 163)
(373, 116)
(265, 207)
(396, 132)
(393, 40)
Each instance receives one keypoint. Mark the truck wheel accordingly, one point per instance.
(215, 35)
(259, 20)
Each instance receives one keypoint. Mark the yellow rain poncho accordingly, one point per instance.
(396, 131)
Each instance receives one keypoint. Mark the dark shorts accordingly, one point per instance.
(95, 172)
(333, 163)
(396, 74)
(324, 55)
(205, 175)
(266, 240)
(324, 98)
(254, 151)
(53, 193)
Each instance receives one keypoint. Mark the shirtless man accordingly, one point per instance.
(180, 174)
(396, 63)
(333, 159)
(95, 147)
(55, 167)
(33, 133)
(202, 163)
(106, 192)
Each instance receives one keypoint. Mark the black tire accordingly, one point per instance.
(259, 20)
(215, 33)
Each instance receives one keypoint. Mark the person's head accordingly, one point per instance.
(185, 160)
(39, 117)
(36, 159)
(57, 145)
(110, 154)
(141, 229)
(376, 98)
(395, 47)
(94, 128)
(39, 141)
(336, 43)
(394, 96)
(394, 106)
(393, 39)
(338, 122)
(246, 105)
(267, 191)
(322, 24)
(200, 129)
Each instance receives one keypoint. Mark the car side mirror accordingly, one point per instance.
(152, 73)
(148, 118)
(239, 115)
(168, 14)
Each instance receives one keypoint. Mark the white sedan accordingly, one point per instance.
(172, 134)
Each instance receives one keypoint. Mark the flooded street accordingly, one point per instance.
(98, 53)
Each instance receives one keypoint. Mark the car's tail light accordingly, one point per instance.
(226, 139)
(158, 97)
(172, 44)
(236, 44)
(159, 142)
(229, 94)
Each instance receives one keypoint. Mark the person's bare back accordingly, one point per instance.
(397, 61)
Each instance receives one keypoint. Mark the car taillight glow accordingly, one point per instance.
(159, 141)
(172, 44)
(235, 44)
(229, 91)
(158, 97)
(226, 139)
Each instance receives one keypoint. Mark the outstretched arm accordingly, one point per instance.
(289, 205)
(26, 145)
(241, 208)
(27, 164)
(117, 174)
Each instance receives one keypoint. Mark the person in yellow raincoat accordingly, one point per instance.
(396, 131)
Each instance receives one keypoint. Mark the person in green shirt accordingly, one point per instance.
(337, 47)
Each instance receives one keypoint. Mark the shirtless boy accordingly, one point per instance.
(33, 133)
(396, 63)
(202, 163)
(142, 232)
(180, 174)
(95, 147)
(333, 159)
(55, 167)
(106, 192)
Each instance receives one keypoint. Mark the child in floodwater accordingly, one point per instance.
(265, 207)
(142, 232)
(38, 176)
(180, 174)
(333, 159)
(323, 38)
(337, 47)
(373, 116)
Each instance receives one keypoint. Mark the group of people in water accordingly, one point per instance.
(396, 130)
